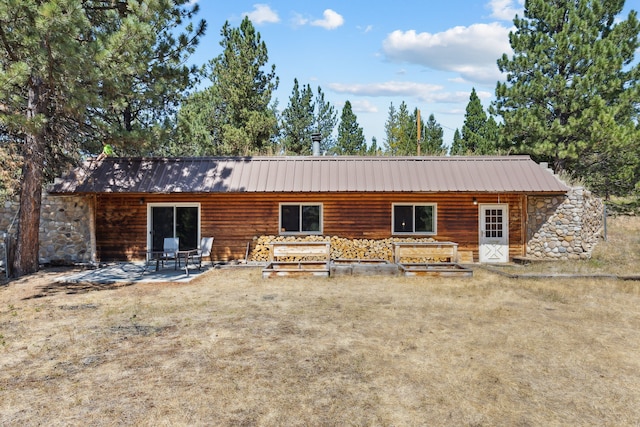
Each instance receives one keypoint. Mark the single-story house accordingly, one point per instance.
(480, 203)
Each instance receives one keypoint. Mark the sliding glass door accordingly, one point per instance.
(173, 220)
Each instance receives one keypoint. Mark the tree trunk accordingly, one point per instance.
(27, 242)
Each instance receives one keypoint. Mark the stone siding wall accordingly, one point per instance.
(564, 227)
(65, 233)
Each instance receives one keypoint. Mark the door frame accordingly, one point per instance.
(482, 240)
(150, 207)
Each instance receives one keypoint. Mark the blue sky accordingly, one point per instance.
(428, 54)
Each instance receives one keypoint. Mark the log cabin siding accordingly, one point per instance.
(234, 219)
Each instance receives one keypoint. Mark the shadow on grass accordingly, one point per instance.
(74, 288)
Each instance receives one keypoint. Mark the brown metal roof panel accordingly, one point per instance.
(354, 171)
(281, 177)
(266, 175)
(307, 176)
(404, 174)
(387, 175)
(481, 177)
(515, 175)
(452, 177)
(317, 183)
(236, 173)
(250, 178)
(374, 175)
(332, 179)
(311, 174)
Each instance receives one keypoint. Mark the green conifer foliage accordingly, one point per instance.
(350, 134)
(76, 74)
(298, 121)
(247, 122)
(326, 118)
(571, 96)
(457, 146)
(433, 141)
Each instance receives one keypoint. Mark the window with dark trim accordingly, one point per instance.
(414, 219)
(300, 218)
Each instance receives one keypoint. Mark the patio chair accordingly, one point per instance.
(204, 251)
(170, 249)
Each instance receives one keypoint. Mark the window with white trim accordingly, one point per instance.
(300, 218)
(414, 219)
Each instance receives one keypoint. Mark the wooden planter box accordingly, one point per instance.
(363, 267)
(301, 259)
(447, 269)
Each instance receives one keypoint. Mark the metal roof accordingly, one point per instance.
(314, 174)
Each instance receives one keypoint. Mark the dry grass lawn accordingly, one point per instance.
(234, 349)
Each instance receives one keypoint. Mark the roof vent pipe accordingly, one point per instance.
(315, 138)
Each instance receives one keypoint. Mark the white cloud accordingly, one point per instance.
(261, 14)
(422, 91)
(363, 106)
(506, 10)
(471, 51)
(330, 21)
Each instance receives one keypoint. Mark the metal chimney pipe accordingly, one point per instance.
(316, 138)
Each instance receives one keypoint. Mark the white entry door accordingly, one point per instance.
(494, 233)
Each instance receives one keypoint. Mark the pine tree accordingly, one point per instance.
(491, 137)
(457, 146)
(571, 95)
(196, 135)
(326, 118)
(433, 141)
(72, 73)
(406, 132)
(401, 131)
(243, 119)
(298, 121)
(391, 133)
(350, 134)
(475, 121)
(373, 149)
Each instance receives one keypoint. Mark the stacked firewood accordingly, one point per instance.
(341, 248)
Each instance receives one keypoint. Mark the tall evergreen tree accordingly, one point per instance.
(572, 96)
(350, 134)
(457, 146)
(75, 72)
(433, 141)
(491, 136)
(298, 120)
(326, 119)
(241, 119)
(475, 121)
(401, 131)
(390, 130)
(373, 149)
(196, 135)
(406, 132)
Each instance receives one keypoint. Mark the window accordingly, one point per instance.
(414, 219)
(300, 218)
(494, 223)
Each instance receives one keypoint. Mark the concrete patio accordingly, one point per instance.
(134, 272)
